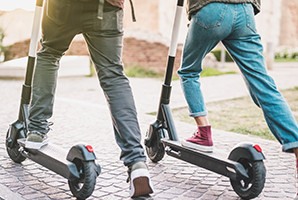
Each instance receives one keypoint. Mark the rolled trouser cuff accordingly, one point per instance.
(198, 114)
(289, 147)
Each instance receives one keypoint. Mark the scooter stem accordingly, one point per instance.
(174, 42)
(166, 88)
(26, 90)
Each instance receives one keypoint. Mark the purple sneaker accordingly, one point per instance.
(201, 140)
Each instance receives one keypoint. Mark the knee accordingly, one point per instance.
(186, 73)
(109, 80)
(48, 53)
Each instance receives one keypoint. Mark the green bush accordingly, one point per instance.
(286, 54)
(2, 48)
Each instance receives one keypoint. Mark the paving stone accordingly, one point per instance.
(192, 194)
(35, 195)
(59, 196)
(165, 195)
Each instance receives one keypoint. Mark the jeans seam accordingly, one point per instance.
(272, 129)
(234, 19)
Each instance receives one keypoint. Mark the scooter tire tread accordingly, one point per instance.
(258, 181)
(158, 155)
(90, 175)
(16, 157)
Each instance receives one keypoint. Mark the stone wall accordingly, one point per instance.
(149, 55)
(268, 22)
(289, 23)
(277, 23)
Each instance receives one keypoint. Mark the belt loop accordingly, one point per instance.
(100, 9)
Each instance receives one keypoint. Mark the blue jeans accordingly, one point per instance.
(234, 26)
(62, 20)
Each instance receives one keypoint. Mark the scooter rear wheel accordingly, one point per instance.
(13, 152)
(252, 187)
(83, 187)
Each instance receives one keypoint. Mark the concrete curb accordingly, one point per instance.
(69, 66)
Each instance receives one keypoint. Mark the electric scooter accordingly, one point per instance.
(244, 166)
(78, 165)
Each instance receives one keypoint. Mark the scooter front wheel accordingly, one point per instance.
(83, 187)
(253, 186)
(14, 151)
(156, 150)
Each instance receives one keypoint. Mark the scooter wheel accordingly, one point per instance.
(13, 152)
(83, 187)
(252, 187)
(156, 151)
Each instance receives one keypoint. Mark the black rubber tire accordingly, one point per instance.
(252, 187)
(82, 188)
(14, 152)
(157, 151)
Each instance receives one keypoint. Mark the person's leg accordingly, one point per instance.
(202, 120)
(105, 47)
(56, 38)
(205, 32)
(245, 47)
(105, 52)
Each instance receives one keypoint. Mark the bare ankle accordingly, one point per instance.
(296, 152)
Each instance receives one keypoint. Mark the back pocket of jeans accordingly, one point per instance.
(211, 15)
(58, 10)
(250, 19)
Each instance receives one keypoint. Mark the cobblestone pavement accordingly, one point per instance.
(81, 116)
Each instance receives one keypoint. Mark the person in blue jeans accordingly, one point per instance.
(101, 24)
(232, 24)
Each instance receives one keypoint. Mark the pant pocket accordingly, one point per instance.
(57, 11)
(250, 19)
(211, 15)
(112, 21)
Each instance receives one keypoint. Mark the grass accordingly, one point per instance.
(133, 71)
(209, 71)
(240, 115)
(138, 71)
(141, 72)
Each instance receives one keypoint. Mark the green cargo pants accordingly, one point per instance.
(62, 20)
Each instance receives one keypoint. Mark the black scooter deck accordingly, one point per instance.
(212, 161)
(52, 157)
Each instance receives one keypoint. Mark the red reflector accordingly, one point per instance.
(89, 148)
(258, 148)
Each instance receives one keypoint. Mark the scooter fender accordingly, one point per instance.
(81, 152)
(16, 130)
(246, 151)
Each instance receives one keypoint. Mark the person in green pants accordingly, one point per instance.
(101, 23)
